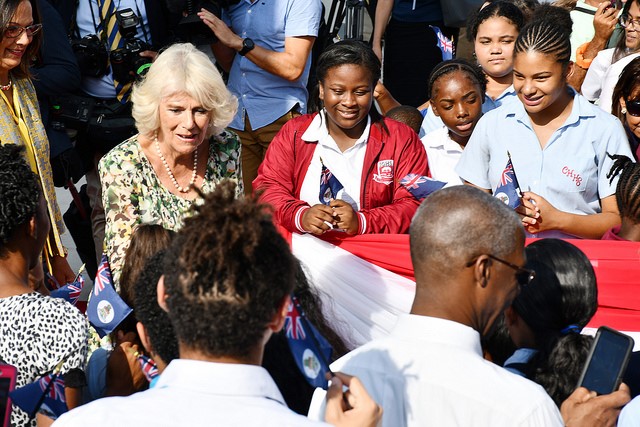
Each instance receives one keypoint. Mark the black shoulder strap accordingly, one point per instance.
(583, 10)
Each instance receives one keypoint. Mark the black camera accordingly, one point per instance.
(191, 28)
(126, 62)
(92, 56)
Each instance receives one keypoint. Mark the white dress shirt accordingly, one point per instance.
(346, 166)
(430, 372)
(443, 154)
(195, 393)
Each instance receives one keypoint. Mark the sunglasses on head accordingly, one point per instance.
(633, 108)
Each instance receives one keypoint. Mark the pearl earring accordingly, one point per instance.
(623, 111)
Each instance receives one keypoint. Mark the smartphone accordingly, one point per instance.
(8, 376)
(607, 361)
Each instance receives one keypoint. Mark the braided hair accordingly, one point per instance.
(547, 37)
(628, 188)
(474, 73)
(19, 192)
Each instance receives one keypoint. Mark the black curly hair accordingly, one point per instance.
(227, 273)
(19, 192)
(149, 313)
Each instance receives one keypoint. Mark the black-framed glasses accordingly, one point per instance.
(15, 31)
(524, 276)
(633, 107)
(625, 20)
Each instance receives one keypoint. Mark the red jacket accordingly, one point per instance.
(385, 206)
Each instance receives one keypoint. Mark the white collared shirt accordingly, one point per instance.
(346, 166)
(430, 372)
(443, 154)
(195, 393)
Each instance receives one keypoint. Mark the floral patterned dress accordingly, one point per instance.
(132, 193)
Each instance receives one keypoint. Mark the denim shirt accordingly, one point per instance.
(263, 96)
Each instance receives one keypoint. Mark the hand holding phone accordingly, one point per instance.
(607, 361)
(8, 376)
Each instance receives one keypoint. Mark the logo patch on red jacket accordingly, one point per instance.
(385, 172)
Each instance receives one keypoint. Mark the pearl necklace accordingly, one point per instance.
(171, 176)
(7, 86)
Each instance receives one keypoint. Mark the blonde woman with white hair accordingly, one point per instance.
(181, 108)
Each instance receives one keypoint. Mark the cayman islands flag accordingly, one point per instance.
(70, 292)
(445, 45)
(421, 186)
(508, 189)
(46, 394)
(329, 185)
(309, 348)
(105, 309)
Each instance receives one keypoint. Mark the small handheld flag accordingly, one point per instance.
(70, 292)
(329, 185)
(149, 367)
(421, 186)
(46, 393)
(309, 348)
(445, 45)
(105, 309)
(508, 190)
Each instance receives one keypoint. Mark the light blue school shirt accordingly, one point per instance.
(570, 172)
(262, 95)
(432, 122)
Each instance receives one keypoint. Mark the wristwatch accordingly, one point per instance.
(247, 46)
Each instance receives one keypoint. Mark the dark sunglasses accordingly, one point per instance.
(15, 31)
(524, 276)
(633, 108)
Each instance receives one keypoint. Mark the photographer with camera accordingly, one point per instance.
(114, 43)
(265, 46)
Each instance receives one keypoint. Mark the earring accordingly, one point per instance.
(623, 111)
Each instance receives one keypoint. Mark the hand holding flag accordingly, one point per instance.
(329, 185)
(106, 309)
(508, 190)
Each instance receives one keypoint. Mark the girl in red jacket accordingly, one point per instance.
(340, 169)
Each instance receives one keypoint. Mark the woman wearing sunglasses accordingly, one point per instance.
(608, 64)
(626, 105)
(20, 121)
